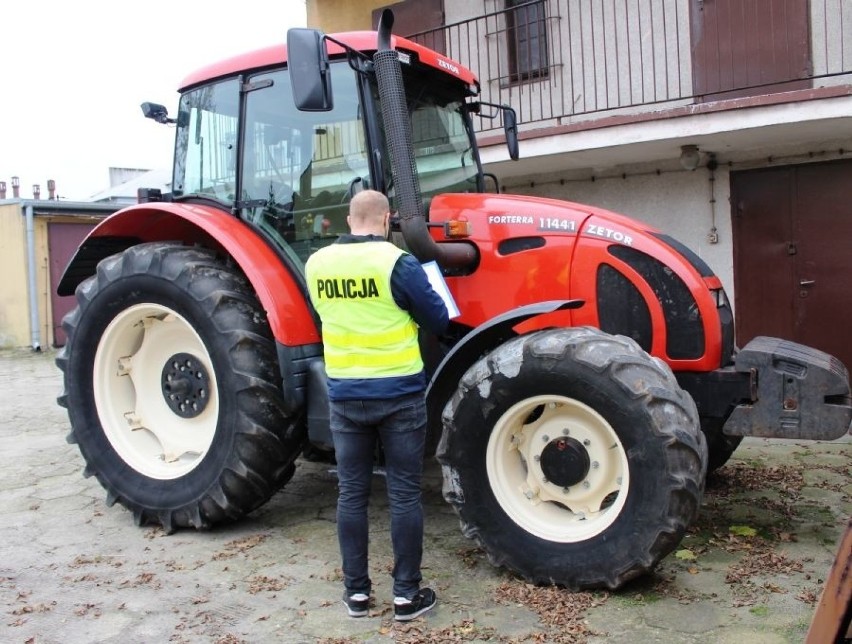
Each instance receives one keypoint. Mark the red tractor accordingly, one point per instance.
(576, 403)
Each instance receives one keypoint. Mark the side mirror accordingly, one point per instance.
(310, 75)
(510, 127)
(157, 112)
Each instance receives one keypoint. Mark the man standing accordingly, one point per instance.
(371, 297)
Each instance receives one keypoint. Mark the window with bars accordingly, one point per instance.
(526, 29)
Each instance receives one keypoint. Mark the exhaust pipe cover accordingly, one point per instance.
(403, 167)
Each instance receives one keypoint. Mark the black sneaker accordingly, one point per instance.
(407, 609)
(357, 605)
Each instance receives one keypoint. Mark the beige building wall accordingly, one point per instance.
(15, 321)
(14, 303)
(342, 15)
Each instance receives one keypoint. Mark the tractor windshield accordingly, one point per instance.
(441, 133)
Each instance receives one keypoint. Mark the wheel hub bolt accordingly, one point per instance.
(587, 442)
(586, 484)
(545, 438)
(595, 464)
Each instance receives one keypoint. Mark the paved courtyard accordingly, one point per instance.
(74, 570)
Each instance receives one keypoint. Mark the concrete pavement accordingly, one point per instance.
(73, 570)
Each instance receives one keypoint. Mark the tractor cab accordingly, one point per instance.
(243, 145)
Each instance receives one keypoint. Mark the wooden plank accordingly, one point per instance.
(831, 621)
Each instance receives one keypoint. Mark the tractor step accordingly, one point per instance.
(798, 392)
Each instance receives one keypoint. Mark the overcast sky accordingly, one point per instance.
(75, 73)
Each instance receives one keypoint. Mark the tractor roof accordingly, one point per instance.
(364, 41)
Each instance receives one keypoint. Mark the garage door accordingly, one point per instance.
(62, 241)
(793, 254)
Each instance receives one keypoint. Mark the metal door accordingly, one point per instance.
(792, 230)
(749, 47)
(62, 240)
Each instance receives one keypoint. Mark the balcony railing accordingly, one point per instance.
(565, 61)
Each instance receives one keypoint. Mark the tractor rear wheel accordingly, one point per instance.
(573, 458)
(173, 389)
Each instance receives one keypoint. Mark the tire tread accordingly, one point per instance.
(265, 442)
(640, 377)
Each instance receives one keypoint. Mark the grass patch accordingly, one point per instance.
(638, 599)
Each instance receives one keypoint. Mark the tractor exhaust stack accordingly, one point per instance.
(407, 185)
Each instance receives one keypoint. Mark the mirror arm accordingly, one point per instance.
(352, 53)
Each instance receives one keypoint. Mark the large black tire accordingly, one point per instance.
(720, 446)
(173, 388)
(573, 458)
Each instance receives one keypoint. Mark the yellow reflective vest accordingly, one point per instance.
(365, 334)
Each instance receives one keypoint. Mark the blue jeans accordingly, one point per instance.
(400, 423)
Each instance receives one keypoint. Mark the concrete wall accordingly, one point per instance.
(14, 304)
(342, 15)
(831, 47)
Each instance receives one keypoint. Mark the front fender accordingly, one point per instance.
(281, 293)
(479, 341)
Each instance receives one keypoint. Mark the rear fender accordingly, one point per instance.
(278, 287)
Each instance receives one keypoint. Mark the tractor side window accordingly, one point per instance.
(206, 142)
(298, 167)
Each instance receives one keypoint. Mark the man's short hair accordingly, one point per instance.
(368, 206)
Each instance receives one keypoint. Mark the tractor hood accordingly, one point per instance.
(633, 279)
(504, 217)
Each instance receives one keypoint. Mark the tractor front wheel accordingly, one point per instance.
(173, 389)
(720, 446)
(573, 458)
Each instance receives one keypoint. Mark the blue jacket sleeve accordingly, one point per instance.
(412, 292)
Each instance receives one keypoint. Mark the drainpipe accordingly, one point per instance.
(35, 323)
